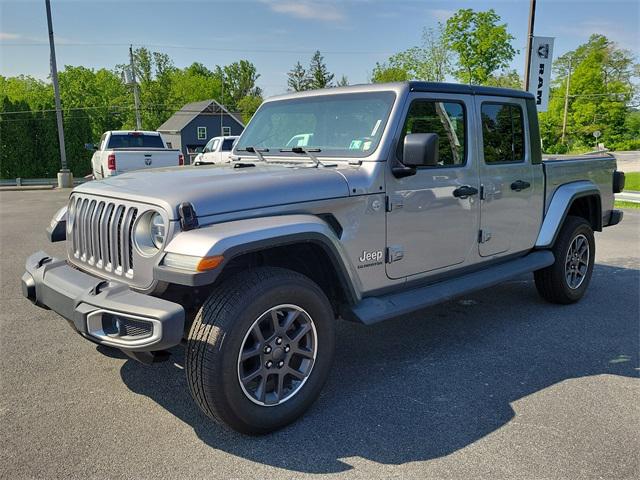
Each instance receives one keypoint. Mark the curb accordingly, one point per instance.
(26, 188)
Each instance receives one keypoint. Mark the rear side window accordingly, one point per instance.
(447, 119)
(227, 145)
(502, 133)
(135, 140)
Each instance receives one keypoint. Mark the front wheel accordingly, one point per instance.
(260, 349)
(567, 279)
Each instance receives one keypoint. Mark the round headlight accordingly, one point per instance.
(150, 233)
(157, 230)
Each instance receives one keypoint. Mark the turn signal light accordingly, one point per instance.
(209, 263)
(181, 159)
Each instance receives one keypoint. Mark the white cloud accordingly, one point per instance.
(9, 36)
(309, 10)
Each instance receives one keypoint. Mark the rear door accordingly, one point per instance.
(431, 226)
(508, 215)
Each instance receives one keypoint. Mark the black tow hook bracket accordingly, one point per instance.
(149, 357)
(43, 260)
(188, 218)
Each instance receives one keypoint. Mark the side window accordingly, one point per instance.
(502, 133)
(214, 145)
(447, 119)
(202, 133)
(227, 144)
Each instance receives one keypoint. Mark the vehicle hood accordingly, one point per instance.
(219, 189)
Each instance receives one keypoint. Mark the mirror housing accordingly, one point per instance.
(91, 147)
(420, 150)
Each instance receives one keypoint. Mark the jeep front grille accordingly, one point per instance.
(102, 234)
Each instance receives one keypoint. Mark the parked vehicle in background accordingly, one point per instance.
(216, 151)
(122, 151)
(407, 195)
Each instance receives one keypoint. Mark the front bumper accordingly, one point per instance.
(105, 312)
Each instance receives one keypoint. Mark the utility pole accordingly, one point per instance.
(65, 178)
(566, 102)
(221, 104)
(136, 99)
(532, 19)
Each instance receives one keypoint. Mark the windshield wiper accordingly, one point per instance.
(309, 151)
(257, 151)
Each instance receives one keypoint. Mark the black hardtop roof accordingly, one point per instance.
(438, 87)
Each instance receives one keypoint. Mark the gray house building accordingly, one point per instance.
(191, 127)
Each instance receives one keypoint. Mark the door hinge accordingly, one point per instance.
(394, 253)
(395, 202)
(483, 236)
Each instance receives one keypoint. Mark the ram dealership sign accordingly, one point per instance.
(540, 70)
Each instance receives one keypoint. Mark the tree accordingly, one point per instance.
(481, 43)
(600, 95)
(505, 79)
(297, 79)
(239, 81)
(343, 82)
(319, 75)
(383, 73)
(248, 105)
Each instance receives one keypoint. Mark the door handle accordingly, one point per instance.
(520, 185)
(465, 191)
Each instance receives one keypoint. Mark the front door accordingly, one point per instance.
(430, 225)
(508, 219)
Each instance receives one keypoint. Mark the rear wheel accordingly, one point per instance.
(567, 279)
(260, 349)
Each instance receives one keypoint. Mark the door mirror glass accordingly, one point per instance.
(420, 150)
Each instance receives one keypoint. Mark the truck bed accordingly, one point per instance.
(597, 168)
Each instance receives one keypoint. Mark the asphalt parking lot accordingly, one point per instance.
(495, 385)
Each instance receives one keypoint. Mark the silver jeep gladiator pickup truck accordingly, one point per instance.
(398, 196)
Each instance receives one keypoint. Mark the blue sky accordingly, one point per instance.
(352, 35)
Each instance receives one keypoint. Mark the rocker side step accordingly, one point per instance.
(376, 309)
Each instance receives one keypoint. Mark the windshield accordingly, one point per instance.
(346, 125)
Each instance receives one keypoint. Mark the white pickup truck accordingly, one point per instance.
(216, 151)
(121, 151)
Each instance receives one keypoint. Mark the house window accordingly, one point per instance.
(202, 133)
(226, 131)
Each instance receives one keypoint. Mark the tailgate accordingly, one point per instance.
(127, 160)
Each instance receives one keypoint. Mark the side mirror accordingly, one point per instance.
(420, 150)
(90, 146)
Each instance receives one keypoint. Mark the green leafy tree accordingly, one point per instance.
(383, 73)
(297, 79)
(482, 44)
(248, 105)
(506, 79)
(319, 75)
(601, 92)
(239, 81)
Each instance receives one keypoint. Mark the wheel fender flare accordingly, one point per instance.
(235, 238)
(559, 206)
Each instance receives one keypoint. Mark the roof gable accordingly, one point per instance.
(190, 111)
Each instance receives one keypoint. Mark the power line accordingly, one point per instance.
(212, 49)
